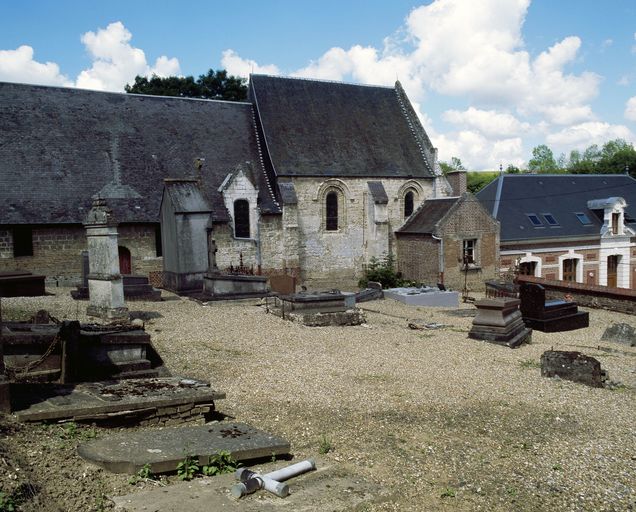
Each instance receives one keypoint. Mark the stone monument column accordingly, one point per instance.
(105, 284)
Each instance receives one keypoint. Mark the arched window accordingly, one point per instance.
(408, 203)
(331, 204)
(241, 218)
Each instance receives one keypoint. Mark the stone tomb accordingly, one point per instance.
(499, 321)
(549, 315)
(424, 296)
(163, 449)
(318, 309)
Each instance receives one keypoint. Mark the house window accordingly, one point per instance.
(569, 269)
(534, 219)
(22, 241)
(469, 251)
(241, 218)
(331, 205)
(615, 219)
(409, 199)
(583, 219)
(549, 218)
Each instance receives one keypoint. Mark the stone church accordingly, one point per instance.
(306, 177)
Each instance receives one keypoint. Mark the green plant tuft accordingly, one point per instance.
(6, 503)
(324, 444)
(221, 462)
(448, 492)
(383, 271)
(187, 468)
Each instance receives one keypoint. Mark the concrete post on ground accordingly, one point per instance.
(105, 284)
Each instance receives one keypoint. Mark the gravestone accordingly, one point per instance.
(105, 284)
(573, 366)
(620, 333)
(499, 321)
(549, 315)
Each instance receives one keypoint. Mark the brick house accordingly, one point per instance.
(579, 228)
(451, 240)
(306, 176)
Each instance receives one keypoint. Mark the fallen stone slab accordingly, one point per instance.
(328, 488)
(149, 398)
(426, 296)
(164, 448)
(620, 333)
(573, 366)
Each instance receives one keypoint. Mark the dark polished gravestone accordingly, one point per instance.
(620, 333)
(549, 315)
(499, 321)
(573, 366)
(164, 448)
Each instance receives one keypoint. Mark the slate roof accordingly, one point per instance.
(378, 193)
(59, 147)
(318, 128)
(425, 219)
(511, 197)
(186, 197)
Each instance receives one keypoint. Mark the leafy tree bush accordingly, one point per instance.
(383, 271)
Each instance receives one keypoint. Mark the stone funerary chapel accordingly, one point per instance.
(305, 177)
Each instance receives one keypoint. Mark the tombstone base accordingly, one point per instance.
(222, 286)
(183, 283)
(499, 321)
(577, 320)
(107, 313)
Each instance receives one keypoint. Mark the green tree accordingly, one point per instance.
(512, 169)
(475, 181)
(542, 160)
(214, 85)
(455, 164)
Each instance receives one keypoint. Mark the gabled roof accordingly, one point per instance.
(59, 147)
(186, 196)
(318, 128)
(425, 220)
(513, 198)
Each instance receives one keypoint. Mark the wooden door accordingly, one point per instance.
(612, 270)
(125, 265)
(569, 270)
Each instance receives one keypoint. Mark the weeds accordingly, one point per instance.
(324, 444)
(448, 492)
(187, 468)
(144, 474)
(6, 503)
(529, 363)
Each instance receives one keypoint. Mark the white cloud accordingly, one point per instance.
(116, 62)
(489, 122)
(19, 66)
(630, 109)
(237, 66)
(582, 135)
(478, 152)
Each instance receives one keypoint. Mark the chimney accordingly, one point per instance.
(457, 181)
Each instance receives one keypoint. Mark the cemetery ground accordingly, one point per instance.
(433, 419)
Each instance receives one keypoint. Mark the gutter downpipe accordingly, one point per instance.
(441, 257)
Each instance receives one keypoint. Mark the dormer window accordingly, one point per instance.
(616, 223)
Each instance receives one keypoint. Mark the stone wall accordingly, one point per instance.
(418, 258)
(57, 251)
(337, 258)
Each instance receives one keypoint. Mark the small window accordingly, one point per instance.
(550, 219)
(534, 219)
(408, 203)
(468, 250)
(615, 223)
(22, 241)
(331, 201)
(583, 219)
(241, 218)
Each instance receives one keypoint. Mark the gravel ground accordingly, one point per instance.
(441, 421)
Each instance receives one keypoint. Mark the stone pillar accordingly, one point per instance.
(105, 284)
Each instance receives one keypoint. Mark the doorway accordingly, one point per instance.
(612, 270)
(569, 269)
(527, 268)
(125, 264)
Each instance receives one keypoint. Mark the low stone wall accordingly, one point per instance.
(614, 299)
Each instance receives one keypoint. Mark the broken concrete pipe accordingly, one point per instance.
(252, 481)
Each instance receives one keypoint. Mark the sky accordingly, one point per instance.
(490, 79)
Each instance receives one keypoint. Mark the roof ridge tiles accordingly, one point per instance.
(321, 80)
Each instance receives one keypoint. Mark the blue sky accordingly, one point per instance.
(491, 79)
